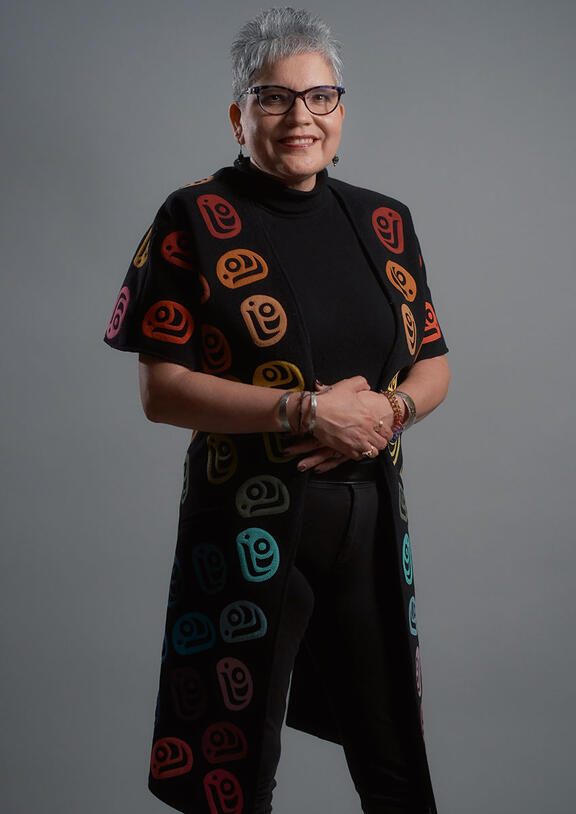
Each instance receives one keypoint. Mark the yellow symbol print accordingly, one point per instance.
(142, 254)
(402, 280)
(265, 319)
(274, 448)
(197, 183)
(409, 328)
(222, 458)
(278, 374)
(393, 383)
(393, 448)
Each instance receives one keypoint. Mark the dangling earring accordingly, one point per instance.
(336, 159)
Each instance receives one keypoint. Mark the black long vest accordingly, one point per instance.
(205, 289)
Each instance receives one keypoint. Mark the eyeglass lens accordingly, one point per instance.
(279, 100)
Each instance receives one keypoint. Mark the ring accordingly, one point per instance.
(368, 453)
(379, 426)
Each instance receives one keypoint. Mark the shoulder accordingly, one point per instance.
(360, 196)
(217, 183)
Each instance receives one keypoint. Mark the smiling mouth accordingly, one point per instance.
(298, 141)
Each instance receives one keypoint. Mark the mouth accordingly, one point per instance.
(298, 141)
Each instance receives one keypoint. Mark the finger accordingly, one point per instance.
(359, 383)
(308, 445)
(331, 463)
(321, 457)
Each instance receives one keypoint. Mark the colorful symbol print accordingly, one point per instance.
(177, 249)
(407, 560)
(409, 328)
(223, 792)
(265, 319)
(204, 289)
(220, 217)
(274, 447)
(189, 697)
(168, 321)
(431, 327)
(412, 616)
(201, 181)
(192, 633)
(388, 227)
(241, 267)
(222, 458)
(170, 757)
(401, 280)
(141, 255)
(223, 741)
(259, 554)
(262, 495)
(118, 313)
(216, 352)
(235, 682)
(210, 567)
(393, 448)
(278, 374)
(393, 383)
(242, 620)
(418, 672)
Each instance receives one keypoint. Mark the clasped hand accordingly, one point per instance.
(350, 419)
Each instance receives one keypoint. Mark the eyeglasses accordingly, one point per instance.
(277, 100)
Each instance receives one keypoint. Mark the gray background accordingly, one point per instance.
(464, 110)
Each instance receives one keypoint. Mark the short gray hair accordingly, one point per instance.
(277, 33)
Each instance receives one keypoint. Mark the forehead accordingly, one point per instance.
(299, 72)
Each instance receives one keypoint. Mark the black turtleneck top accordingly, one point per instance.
(349, 320)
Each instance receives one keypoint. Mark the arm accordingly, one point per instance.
(174, 394)
(427, 383)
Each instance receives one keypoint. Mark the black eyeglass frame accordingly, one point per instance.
(295, 95)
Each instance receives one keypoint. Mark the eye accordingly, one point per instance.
(274, 96)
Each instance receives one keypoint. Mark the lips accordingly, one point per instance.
(298, 141)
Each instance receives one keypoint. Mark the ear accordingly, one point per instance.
(342, 110)
(235, 116)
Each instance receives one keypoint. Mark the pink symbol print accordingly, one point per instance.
(223, 741)
(235, 683)
(170, 757)
(223, 792)
(119, 313)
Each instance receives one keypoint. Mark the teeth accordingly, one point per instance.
(298, 141)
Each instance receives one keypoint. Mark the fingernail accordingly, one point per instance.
(319, 383)
(301, 467)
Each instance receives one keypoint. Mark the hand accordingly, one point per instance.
(349, 421)
(322, 459)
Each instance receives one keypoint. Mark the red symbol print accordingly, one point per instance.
(216, 353)
(265, 319)
(177, 249)
(168, 321)
(205, 286)
(170, 757)
(223, 792)
(388, 226)
(219, 216)
(240, 267)
(223, 741)
(409, 328)
(118, 313)
(402, 280)
(235, 683)
(431, 328)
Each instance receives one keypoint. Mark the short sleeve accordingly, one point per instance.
(156, 308)
(433, 343)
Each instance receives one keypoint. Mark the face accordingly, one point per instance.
(295, 146)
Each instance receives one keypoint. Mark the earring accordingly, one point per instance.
(240, 154)
(336, 159)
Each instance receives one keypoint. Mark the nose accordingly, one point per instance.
(299, 113)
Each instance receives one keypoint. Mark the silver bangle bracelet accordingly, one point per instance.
(411, 407)
(313, 405)
(282, 412)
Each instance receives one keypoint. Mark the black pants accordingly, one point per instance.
(332, 589)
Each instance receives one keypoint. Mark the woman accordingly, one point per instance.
(251, 288)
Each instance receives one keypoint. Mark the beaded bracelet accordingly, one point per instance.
(397, 426)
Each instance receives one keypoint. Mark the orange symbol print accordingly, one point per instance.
(216, 353)
(240, 267)
(168, 321)
(177, 249)
(431, 328)
(409, 328)
(219, 216)
(265, 319)
(402, 280)
(388, 226)
(142, 254)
